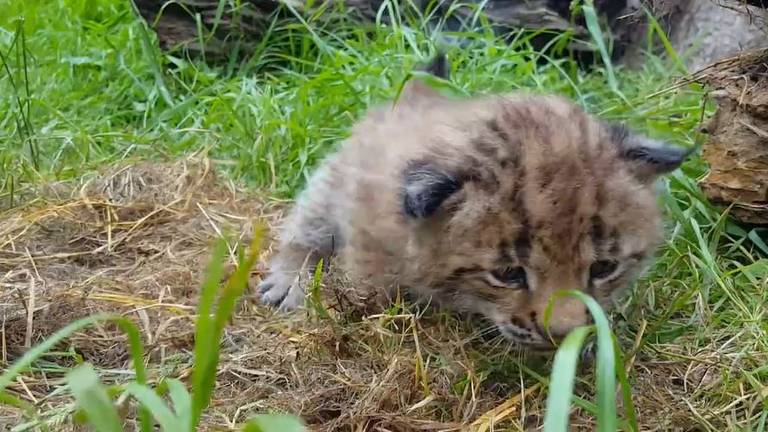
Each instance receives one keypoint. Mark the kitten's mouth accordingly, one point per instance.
(529, 342)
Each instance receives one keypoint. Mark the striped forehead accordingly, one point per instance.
(555, 181)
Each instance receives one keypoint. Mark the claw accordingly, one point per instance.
(264, 287)
(270, 295)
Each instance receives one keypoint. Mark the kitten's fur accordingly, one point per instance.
(487, 205)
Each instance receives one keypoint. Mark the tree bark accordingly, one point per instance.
(736, 149)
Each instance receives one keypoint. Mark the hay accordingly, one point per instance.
(135, 239)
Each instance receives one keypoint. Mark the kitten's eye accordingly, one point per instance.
(510, 276)
(602, 269)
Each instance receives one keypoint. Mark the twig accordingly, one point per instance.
(30, 313)
(759, 132)
(4, 343)
(504, 410)
(26, 389)
(636, 345)
(218, 231)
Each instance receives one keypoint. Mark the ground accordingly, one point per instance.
(120, 165)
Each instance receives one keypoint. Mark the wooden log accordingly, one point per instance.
(736, 149)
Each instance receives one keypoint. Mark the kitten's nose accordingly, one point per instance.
(567, 314)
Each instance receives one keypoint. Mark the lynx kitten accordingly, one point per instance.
(486, 205)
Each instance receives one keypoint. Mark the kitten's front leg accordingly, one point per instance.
(289, 272)
(309, 234)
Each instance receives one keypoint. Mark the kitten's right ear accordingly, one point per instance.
(425, 189)
(646, 157)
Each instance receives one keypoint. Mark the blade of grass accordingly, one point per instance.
(181, 399)
(274, 423)
(606, 358)
(136, 349)
(754, 236)
(155, 404)
(200, 35)
(761, 424)
(606, 364)
(216, 20)
(204, 374)
(562, 380)
(235, 286)
(34, 152)
(23, 122)
(593, 26)
(626, 389)
(655, 27)
(314, 300)
(205, 338)
(151, 56)
(92, 397)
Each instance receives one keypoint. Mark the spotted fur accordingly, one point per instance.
(487, 205)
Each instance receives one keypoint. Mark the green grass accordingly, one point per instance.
(94, 95)
(86, 86)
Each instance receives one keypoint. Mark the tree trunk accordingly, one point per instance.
(718, 29)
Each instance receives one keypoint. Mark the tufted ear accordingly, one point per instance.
(646, 157)
(425, 188)
(439, 66)
(417, 88)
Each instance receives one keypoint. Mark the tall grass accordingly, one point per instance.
(96, 95)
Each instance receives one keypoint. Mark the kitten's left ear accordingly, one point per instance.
(416, 88)
(439, 66)
(648, 158)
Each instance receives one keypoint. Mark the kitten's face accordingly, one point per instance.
(541, 197)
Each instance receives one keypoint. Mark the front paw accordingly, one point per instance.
(282, 291)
